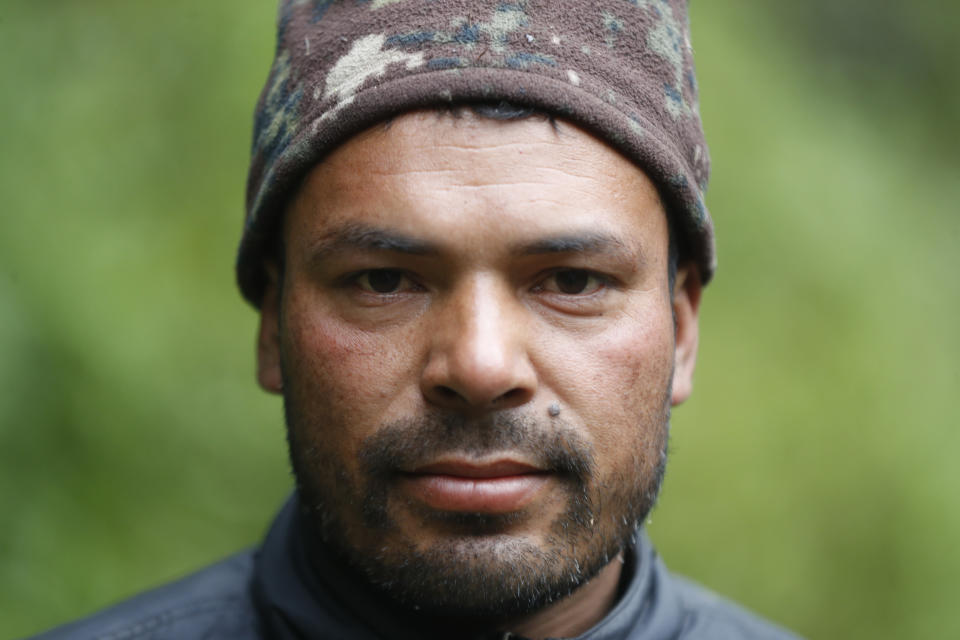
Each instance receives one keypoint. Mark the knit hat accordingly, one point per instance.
(622, 69)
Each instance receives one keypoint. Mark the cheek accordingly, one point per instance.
(346, 379)
(616, 380)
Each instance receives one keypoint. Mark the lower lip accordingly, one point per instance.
(503, 494)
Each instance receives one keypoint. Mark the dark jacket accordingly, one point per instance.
(275, 593)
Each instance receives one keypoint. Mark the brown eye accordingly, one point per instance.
(381, 280)
(572, 281)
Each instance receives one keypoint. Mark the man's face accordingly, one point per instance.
(475, 341)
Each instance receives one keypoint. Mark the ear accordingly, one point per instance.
(686, 310)
(269, 374)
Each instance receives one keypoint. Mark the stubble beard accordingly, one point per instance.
(479, 570)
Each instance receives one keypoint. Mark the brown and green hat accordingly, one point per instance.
(622, 69)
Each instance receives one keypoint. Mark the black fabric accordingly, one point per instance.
(279, 593)
(213, 604)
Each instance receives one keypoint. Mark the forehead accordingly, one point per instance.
(436, 173)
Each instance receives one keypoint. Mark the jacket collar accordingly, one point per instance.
(303, 597)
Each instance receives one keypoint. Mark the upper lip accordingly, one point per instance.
(470, 469)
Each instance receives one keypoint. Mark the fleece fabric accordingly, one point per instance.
(622, 69)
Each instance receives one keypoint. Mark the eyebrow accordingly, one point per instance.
(357, 237)
(586, 242)
(360, 237)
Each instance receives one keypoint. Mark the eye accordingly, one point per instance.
(572, 282)
(383, 281)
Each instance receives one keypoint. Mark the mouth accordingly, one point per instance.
(492, 487)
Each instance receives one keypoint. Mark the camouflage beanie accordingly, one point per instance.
(622, 69)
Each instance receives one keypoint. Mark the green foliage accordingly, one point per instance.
(811, 474)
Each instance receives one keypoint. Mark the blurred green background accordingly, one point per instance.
(813, 474)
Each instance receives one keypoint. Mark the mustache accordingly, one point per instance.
(408, 443)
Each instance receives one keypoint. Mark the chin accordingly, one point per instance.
(486, 576)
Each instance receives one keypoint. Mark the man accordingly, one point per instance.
(476, 237)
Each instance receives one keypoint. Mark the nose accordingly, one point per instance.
(478, 358)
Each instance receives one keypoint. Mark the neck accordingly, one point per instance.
(576, 613)
(568, 617)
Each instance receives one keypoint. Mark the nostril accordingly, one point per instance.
(447, 393)
(510, 397)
